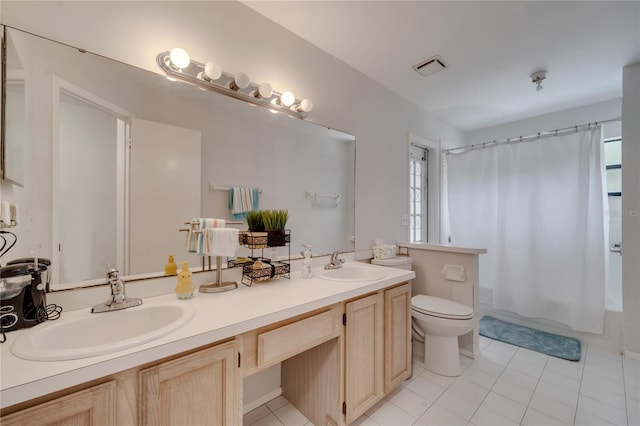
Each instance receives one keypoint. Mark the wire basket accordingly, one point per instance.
(256, 240)
(278, 238)
(269, 271)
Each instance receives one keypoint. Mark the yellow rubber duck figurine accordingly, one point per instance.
(184, 289)
(170, 268)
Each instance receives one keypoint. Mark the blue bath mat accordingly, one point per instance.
(536, 340)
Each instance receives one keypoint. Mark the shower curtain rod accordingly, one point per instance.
(528, 138)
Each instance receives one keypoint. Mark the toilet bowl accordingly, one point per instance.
(441, 321)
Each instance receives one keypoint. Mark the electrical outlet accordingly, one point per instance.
(405, 220)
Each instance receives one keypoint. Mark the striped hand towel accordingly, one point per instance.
(242, 200)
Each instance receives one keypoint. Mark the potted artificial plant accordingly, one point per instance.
(274, 223)
(256, 237)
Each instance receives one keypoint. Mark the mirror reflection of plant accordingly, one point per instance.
(275, 220)
(255, 221)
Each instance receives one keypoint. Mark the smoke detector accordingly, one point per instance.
(537, 77)
(430, 66)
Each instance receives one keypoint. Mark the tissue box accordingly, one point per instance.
(386, 251)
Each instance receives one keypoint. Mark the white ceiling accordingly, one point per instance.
(491, 49)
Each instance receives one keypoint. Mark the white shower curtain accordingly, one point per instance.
(538, 207)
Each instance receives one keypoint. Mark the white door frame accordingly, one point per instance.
(62, 86)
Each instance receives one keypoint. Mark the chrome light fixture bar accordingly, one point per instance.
(178, 66)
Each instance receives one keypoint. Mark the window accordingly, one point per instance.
(613, 161)
(418, 195)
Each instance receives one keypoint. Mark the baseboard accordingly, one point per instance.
(252, 405)
(631, 355)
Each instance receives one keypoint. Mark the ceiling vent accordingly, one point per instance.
(430, 66)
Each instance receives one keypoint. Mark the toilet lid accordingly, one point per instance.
(442, 308)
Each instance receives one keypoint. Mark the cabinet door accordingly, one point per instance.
(202, 388)
(363, 351)
(90, 407)
(397, 336)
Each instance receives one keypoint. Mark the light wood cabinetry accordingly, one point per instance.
(91, 407)
(203, 388)
(337, 362)
(266, 346)
(377, 347)
(363, 355)
(397, 336)
(288, 340)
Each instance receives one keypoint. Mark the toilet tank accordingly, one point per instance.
(399, 262)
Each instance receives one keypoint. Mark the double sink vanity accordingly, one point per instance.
(342, 338)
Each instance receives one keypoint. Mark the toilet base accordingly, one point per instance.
(441, 355)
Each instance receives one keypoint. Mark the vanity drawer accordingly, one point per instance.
(284, 342)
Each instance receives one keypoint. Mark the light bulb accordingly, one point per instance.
(264, 90)
(306, 105)
(180, 58)
(212, 71)
(241, 81)
(287, 99)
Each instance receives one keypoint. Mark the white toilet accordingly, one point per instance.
(440, 322)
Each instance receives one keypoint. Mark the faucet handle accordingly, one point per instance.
(110, 271)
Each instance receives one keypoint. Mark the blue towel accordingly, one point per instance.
(241, 216)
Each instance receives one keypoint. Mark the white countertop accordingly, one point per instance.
(444, 247)
(217, 317)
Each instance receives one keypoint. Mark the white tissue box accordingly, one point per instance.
(385, 251)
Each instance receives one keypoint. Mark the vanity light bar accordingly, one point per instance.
(238, 86)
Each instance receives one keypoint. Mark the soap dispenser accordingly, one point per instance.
(307, 265)
(184, 289)
(170, 268)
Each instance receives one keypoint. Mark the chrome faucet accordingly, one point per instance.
(118, 299)
(335, 262)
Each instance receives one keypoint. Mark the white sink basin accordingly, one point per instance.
(89, 335)
(353, 273)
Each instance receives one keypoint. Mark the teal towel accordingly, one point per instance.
(255, 204)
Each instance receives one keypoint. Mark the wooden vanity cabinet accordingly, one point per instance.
(202, 388)
(363, 355)
(91, 407)
(337, 362)
(397, 336)
(377, 347)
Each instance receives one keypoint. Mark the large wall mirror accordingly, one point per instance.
(114, 160)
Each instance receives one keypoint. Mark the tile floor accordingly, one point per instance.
(506, 385)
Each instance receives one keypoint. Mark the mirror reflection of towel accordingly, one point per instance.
(195, 243)
(242, 200)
